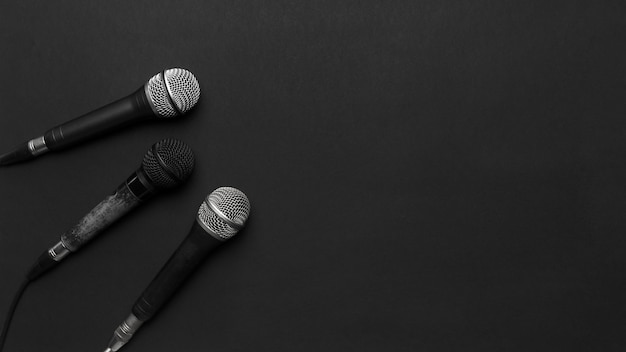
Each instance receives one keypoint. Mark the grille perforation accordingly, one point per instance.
(169, 163)
(232, 203)
(176, 83)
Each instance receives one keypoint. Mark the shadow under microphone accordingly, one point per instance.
(222, 214)
(167, 164)
(166, 95)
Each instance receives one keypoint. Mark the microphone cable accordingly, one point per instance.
(43, 264)
(9, 316)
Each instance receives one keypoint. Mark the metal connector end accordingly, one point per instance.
(58, 252)
(124, 333)
(37, 146)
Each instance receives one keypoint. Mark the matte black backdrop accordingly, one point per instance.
(425, 175)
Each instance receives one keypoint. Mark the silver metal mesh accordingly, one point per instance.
(227, 212)
(179, 86)
(157, 93)
(169, 163)
(183, 88)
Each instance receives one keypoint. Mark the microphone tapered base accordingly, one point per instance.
(19, 154)
(124, 333)
(25, 151)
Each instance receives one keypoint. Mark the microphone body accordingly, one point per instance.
(219, 218)
(185, 260)
(130, 109)
(138, 187)
(191, 252)
(166, 95)
(113, 207)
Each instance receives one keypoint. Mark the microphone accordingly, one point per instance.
(168, 94)
(221, 215)
(167, 164)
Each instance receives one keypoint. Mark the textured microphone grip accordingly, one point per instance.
(108, 211)
(107, 118)
(181, 264)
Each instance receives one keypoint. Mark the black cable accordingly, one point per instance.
(43, 264)
(9, 317)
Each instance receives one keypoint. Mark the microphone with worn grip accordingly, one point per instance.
(222, 214)
(167, 164)
(166, 95)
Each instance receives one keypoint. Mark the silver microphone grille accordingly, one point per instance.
(173, 92)
(224, 212)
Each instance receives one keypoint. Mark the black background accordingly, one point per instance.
(424, 175)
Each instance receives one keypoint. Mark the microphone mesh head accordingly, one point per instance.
(173, 92)
(224, 212)
(168, 163)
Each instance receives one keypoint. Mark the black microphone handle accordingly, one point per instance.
(129, 109)
(191, 252)
(127, 197)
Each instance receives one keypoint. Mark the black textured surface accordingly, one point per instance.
(424, 175)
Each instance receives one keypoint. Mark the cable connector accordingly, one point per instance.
(124, 333)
